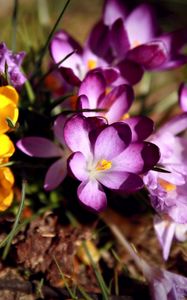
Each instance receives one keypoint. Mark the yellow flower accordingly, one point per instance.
(8, 107)
(6, 148)
(6, 188)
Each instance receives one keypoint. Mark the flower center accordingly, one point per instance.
(167, 186)
(91, 64)
(103, 165)
(135, 43)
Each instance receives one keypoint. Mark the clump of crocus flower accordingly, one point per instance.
(10, 64)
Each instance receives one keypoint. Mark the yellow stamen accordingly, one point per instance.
(135, 43)
(124, 117)
(103, 165)
(167, 186)
(92, 64)
(108, 90)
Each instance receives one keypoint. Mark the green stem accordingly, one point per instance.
(14, 228)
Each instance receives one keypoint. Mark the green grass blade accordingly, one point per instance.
(103, 287)
(14, 228)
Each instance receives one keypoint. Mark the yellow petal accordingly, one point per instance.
(7, 147)
(6, 184)
(81, 253)
(10, 93)
(9, 110)
(6, 201)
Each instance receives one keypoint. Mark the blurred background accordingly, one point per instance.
(36, 18)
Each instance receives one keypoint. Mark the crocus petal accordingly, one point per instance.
(181, 232)
(76, 132)
(119, 39)
(183, 97)
(137, 158)
(174, 41)
(118, 102)
(99, 40)
(113, 10)
(93, 86)
(38, 147)
(69, 75)
(121, 181)
(112, 141)
(55, 174)
(78, 166)
(110, 74)
(175, 125)
(59, 128)
(150, 55)
(140, 126)
(91, 194)
(141, 25)
(151, 155)
(130, 71)
(165, 231)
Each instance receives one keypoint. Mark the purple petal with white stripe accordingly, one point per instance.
(91, 195)
(76, 134)
(78, 166)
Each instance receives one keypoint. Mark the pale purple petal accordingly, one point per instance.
(112, 141)
(93, 86)
(78, 166)
(55, 174)
(39, 147)
(113, 10)
(141, 25)
(130, 159)
(165, 231)
(181, 232)
(141, 127)
(137, 158)
(117, 102)
(121, 181)
(91, 195)
(76, 132)
(59, 128)
(183, 97)
(175, 125)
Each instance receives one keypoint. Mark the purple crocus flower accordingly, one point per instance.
(93, 95)
(163, 285)
(106, 156)
(13, 62)
(142, 42)
(166, 230)
(74, 68)
(42, 147)
(168, 191)
(183, 96)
